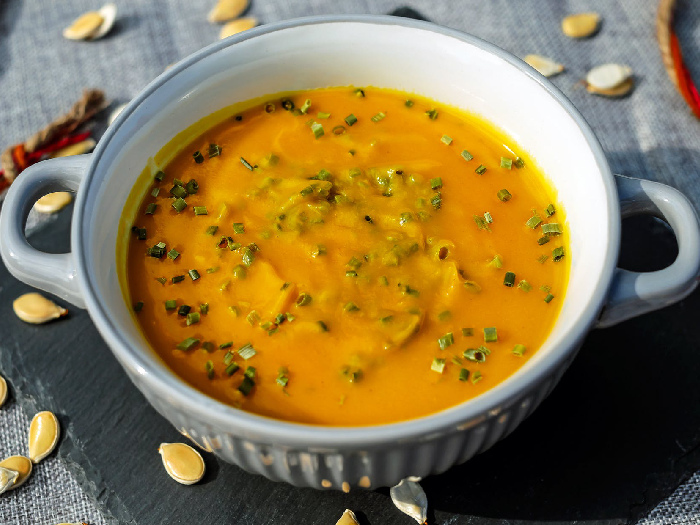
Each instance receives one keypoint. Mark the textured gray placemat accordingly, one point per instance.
(650, 134)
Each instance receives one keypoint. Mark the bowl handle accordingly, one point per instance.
(634, 293)
(54, 273)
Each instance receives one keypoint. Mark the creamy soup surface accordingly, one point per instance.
(346, 256)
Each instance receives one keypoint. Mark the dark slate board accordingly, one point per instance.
(618, 434)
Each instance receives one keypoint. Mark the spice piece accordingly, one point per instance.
(182, 463)
(545, 66)
(580, 25)
(34, 308)
(53, 202)
(44, 431)
(138, 306)
(409, 498)
(237, 26)
(19, 464)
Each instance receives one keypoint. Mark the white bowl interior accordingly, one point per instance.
(439, 66)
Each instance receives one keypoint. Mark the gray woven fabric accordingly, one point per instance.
(650, 134)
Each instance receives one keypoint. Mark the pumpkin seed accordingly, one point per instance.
(608, 76)
(78, 148)
(7, 478)
(237, 26)
(19, 464)
(108, 12)
(3, 391)
(580, 25)
(92, 25)
(53, 202)
(546, 66)
(34, 308)
(409, 498)
(44, 432)
(183, 463)
(348, 518)
(226, 10)
(619, 91)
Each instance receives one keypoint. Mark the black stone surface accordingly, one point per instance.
(617, 435)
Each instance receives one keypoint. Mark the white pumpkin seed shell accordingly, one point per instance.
(619, 91)
(7, 478)
(3, 391)
(580, 25)
(409, 498)
(44, 432)
(608, 76)
(53, 202)
(182, 463)
(546, 66)
(34, 308)
(84, 146)
(84, 26)
(226, 10)
(19, 464)
(348, 518)
(108, 12)
(237, 26)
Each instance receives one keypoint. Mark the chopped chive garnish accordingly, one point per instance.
(200, 210)
(359, 93)
(446, 139)
(488, 218)
(350, 119)
(227, 344)
(211, 230)
(466, 155)
(173, 254)
(323, 326)
(383, 281)
(303, 299)
(239, 271)
(187, 344)
(306, 191)
(436, 183)
(198, 157)
(246, 351)
(247, 256)
(509, 279)
(504, 195)
(446, 340)
(192, 318)
(287, 104)
(467, 332)
(558, 254)
(408, 103)
(338, 130)
(387, 319)
(177, 279)
(481, 169)
(351, 307)
(464, 374)
(423, 216)
(490, 334)
(323, 115)
(161, 280)
(214, 150)
(524, 285)
(533, 222)
(155, 192)
(519, 163)
(253, 318)
(151, 208)
(472, 286)
(138, 306)
(444, 316)
(246, 164)
(550, 210)
(194, 274)
(438, 365)
(238, 227)
(477, 355)
(543, 240)
(549, 298)
(407, 290)
(246, 386)
(519, 350)
(406, 216)
(178, 191)
(432, 114)
(179, 204)
(476, 377)
(317, 129)
(436, 201)
(184, 310)
(305, 106)
(289, 317)
(542, 258)
(208, 346)
(282, 378)
(250, 372)
(354, 263)
(379, 116)
(481, 223)
(140, 233)
(192, 187)
(319, 250)
(213, 269)
(545, 288)
(496, 262)
(228, 356)
(506, 163)
(231, 368)
(351, 273)
(159, 176)
(553, 228)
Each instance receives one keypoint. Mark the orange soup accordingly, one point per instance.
(345, 256)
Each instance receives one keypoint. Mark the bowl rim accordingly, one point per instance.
(165, 385)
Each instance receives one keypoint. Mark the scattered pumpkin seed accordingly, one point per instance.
(237, 26)
(53, 202)
(34, 308)
(348, 518)
(580, 25)
(108, 12)
(409, 498)
(44, 432)
(92, 25)
(84, 146)
(182, 463)
(620, 91)
(3, 391)
(7, 478)
(608, 76)
(546, 66)
(19, 464)
(226, 10)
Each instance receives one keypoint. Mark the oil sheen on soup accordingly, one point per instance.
(345, 256)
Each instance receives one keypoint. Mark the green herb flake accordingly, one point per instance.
(550, 210)
(246, 386)
(488, 218)
(322, 115)
(173, 254)
(159, 176)
(194, 274)
(466, 155)
(446, 139)
(524, 285)
(322, 326)
(472, 286)
(436, 183)
(177, 279)
(238, 228)
(506, 163)
(481, 223)
(476, 377)
(543, 240)
(496, 262)
(558, 254)
(490, 334)
(446, 340)
(408, 103)
(438, 365)
(138, 306)
(444, 316)
(464, 374)
(481, 169)
(231, 368)
(211, 230)
(200, 210)
(187, 344)
(504, 195)
(542, 258)
(533, 222)
(552, 228)
(317, 129)
(351, 307)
